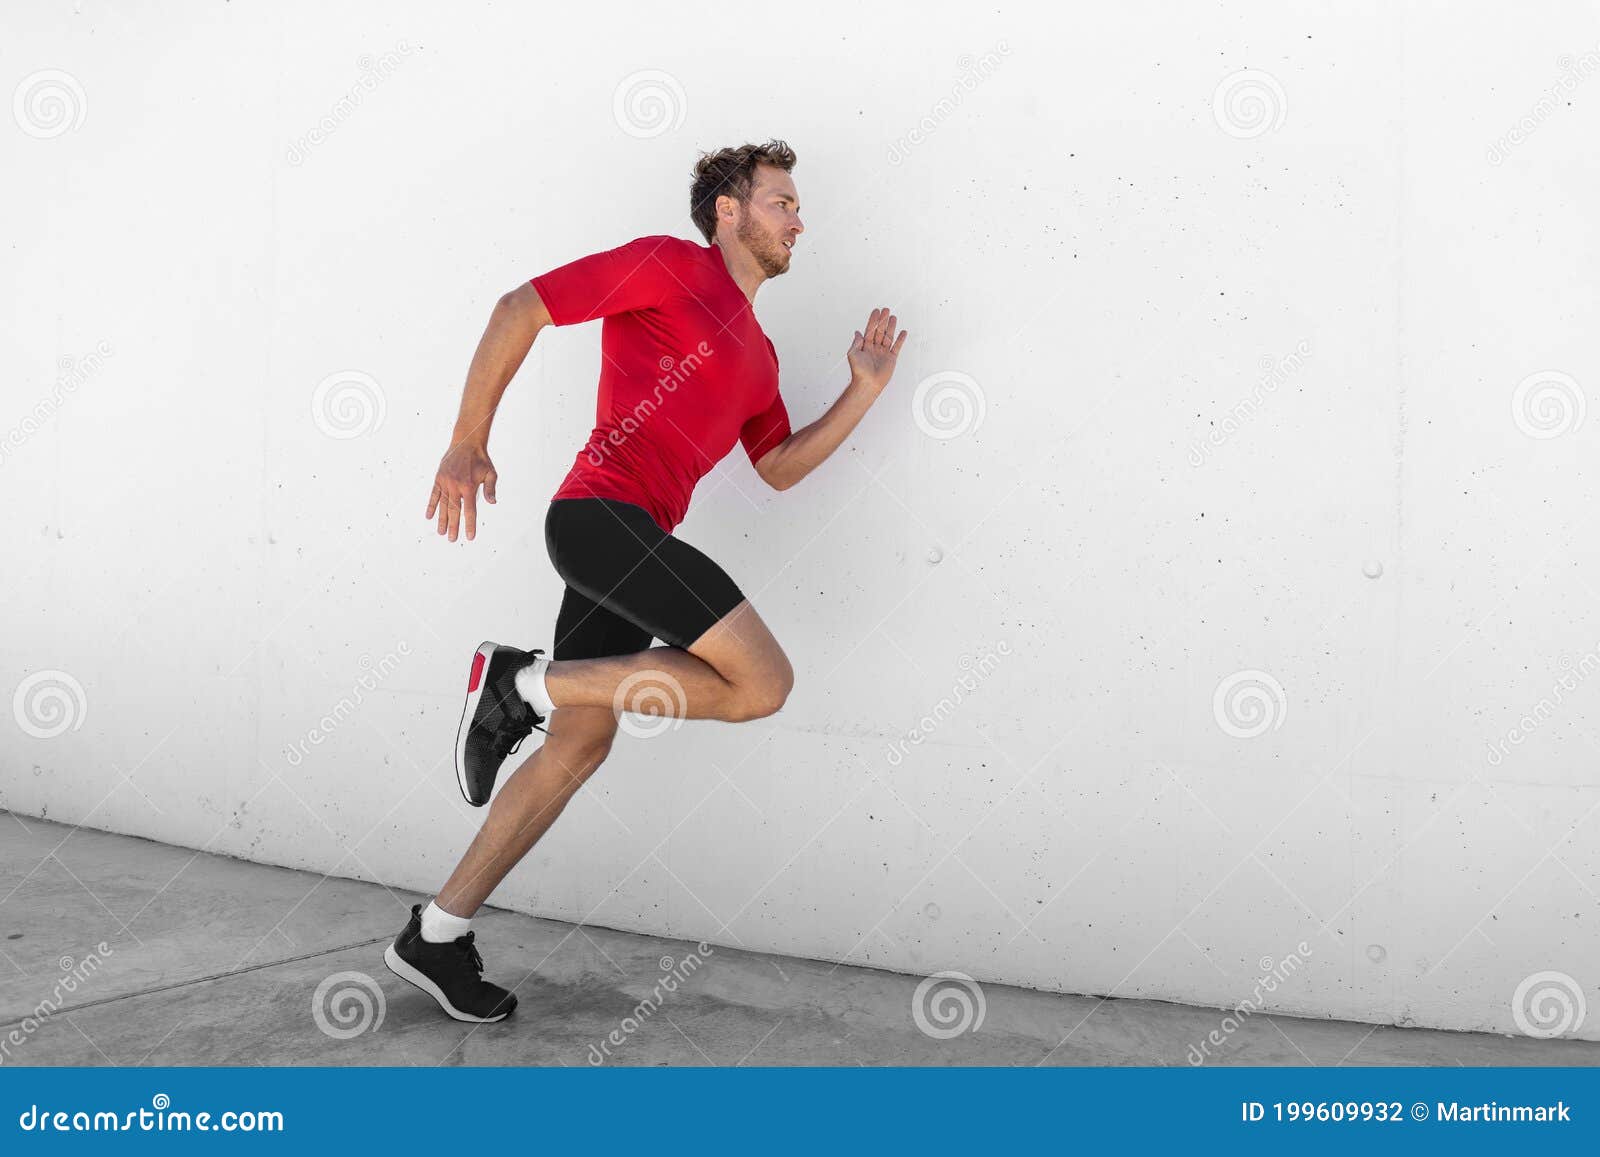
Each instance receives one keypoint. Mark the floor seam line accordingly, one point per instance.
(68, 1008)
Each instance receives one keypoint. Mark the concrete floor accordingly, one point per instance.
(215, 961)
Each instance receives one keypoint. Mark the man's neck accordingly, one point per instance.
(742, 267)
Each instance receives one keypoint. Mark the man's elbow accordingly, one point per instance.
(770, 469)
(524, 305)
(775, 480)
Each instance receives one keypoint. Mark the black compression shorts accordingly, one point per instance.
(628, 581)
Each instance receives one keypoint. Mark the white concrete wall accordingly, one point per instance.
(1119, 262)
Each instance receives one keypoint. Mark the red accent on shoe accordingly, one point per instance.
(477, 673)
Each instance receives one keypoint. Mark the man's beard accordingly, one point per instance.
(768, 252)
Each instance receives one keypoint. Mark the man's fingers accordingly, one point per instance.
(488, 485)
(455, 518)
(900, 341)
(470, 518)
(433, 501)
(444, 510)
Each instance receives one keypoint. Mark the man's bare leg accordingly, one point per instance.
(736, 671)
(528, 803)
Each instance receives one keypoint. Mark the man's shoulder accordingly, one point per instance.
(667, 248)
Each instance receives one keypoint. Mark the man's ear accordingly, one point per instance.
(728, 209)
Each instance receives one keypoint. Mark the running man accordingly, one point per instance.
(686, 372)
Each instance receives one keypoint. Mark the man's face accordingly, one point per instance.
(769, 223)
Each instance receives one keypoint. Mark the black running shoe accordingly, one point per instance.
(495, 720)
(450, 973)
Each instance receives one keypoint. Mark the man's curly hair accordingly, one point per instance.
(730, 172)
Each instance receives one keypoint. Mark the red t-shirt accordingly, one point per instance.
(685, 371)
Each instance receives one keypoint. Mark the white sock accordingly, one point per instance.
(530, 685)
(439, 927)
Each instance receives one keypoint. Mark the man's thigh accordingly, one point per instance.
(741, 648)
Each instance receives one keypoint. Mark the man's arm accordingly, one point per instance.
(517, 319)
(872, 360)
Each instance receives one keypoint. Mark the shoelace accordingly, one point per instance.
(515, 730)
(467, 945)
(501, 738)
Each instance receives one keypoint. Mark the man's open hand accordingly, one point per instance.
(455, 488)
(873, 352)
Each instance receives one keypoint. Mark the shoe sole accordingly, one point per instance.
(410, 975)
(474, 694)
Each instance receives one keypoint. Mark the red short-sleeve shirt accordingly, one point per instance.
(686, 371)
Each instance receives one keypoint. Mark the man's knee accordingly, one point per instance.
(765, 695)
(583, 751)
